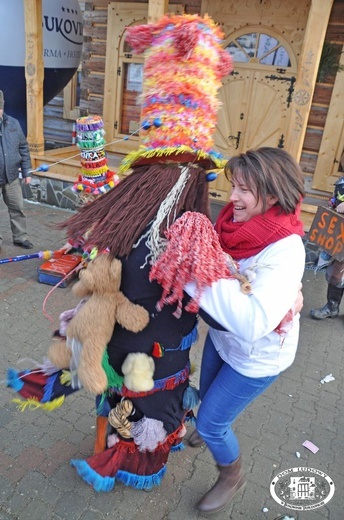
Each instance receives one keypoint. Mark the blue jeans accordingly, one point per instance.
(224, 395)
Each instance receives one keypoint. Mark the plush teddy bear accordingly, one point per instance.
(59, 354)
(92, 325)
(138, 370)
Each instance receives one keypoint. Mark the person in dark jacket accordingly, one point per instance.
(14, 155)
(335, 268)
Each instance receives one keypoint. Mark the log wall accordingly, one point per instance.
(321, 100)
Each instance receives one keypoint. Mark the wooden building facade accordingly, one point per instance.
(286, 89)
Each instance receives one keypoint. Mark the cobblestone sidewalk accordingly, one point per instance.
(36, 480)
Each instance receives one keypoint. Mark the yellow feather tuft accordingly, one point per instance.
(47, 255)
(33, 404)
(66, 378)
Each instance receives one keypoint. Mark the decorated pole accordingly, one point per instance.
(43, 255)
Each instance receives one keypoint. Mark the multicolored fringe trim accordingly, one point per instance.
(96, 186)
(168, 383)
(41, 390)
(165, 152)
(178, 447)
(104, 484)
(124, 462)
(115, 381)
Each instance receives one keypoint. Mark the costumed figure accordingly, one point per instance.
(142, 411)
(334, 268)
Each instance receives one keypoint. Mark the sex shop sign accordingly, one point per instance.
(327, 232)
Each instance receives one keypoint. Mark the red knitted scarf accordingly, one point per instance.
(245, 239)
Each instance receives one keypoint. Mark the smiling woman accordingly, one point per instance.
(243, 355)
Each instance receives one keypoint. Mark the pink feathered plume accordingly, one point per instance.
(140, 37)
(186, 37)
(226, 64)
(193, 254)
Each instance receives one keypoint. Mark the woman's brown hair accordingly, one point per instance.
(269, 171)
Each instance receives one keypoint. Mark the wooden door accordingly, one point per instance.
(255, 98)
(230, 126)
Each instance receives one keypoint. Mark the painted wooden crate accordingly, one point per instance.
(59, 271)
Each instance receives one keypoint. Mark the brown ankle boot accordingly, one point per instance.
(230, 481)
(195, 440)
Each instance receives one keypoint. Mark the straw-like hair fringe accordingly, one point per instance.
(117, 219)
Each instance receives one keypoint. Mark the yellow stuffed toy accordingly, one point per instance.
(92, 326)
(138, 370)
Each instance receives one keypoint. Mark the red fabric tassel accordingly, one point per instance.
(193, 253)
(158, 350)
(140, 37)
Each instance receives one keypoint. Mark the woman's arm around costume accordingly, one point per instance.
(279, 270)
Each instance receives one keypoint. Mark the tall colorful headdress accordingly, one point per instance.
(96, 177)
(184, 64)
(183, 68)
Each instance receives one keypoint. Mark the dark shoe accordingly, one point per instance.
(195, 440)
(231, 480)
(330, 310)
(25, 244)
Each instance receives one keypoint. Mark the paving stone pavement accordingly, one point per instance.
(36, 479)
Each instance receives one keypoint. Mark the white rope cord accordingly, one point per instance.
(155, 243)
